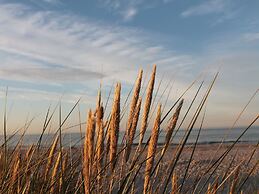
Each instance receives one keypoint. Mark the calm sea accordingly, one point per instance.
(206, 136)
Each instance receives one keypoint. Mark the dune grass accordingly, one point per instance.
(105, 165)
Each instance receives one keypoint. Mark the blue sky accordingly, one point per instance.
(50, 48)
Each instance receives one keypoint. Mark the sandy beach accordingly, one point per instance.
(205, 155)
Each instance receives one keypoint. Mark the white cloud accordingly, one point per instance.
(206, 7)
(128, 10)
(43, 74)
(15, 93)
(51, 1)
(41, 2)
(129, 14)
(51, 48)
(252, 36)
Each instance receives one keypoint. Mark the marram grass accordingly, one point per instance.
(105, 165)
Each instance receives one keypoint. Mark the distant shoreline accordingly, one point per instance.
(160, 145)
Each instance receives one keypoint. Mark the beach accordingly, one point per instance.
(243, 154)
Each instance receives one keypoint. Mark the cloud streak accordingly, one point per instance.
(129, 14)
(206, 7)
(128, 10)
(57, 74)
(49, 40)
(68, 53)
(252, 36)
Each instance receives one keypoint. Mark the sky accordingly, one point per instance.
(64, 49)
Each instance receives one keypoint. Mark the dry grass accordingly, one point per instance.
(103, 165)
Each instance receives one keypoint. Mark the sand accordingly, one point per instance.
(204, 156)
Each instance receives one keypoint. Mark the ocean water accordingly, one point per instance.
(206, 136)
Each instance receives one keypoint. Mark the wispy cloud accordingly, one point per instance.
(252, 36)
(51, 1)
(129, 14)
(128, 10)
(57, 74)
(206, 7)
(49, 47)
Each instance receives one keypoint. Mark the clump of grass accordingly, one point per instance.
(103, 165)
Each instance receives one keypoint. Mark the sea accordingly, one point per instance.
(207, 136)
